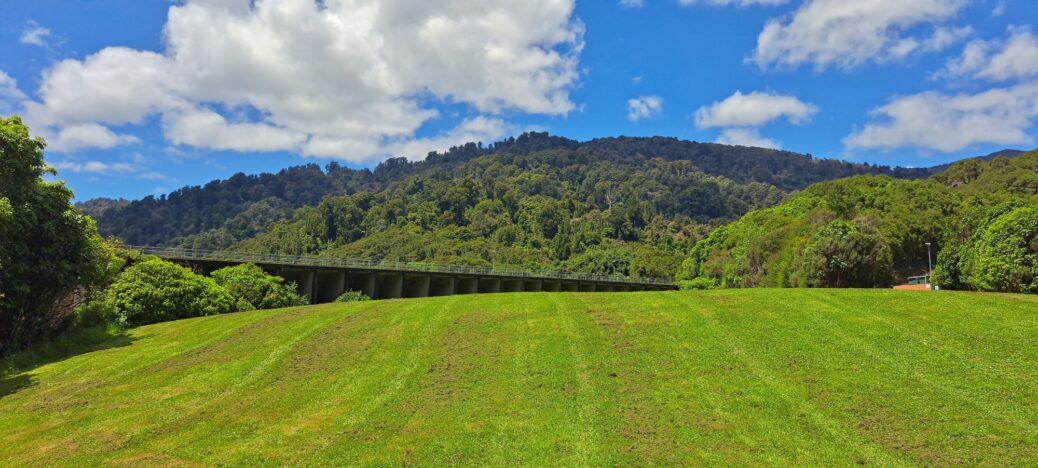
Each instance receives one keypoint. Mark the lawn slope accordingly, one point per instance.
(754, 376)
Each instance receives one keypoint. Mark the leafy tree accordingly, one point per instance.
(155, 291)
(1001, 255)
(842, 255)
(252, 288)
(47, 249)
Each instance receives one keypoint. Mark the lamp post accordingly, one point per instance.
(929, 261)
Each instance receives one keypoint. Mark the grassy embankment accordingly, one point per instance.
(756, 376)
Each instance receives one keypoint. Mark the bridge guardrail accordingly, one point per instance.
(176, 253)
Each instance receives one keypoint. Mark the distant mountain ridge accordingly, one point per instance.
(1006, 153)
(628, 206)
(198, 209)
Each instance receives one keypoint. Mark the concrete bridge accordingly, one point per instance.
(323, 279)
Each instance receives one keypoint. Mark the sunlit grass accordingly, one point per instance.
(745, 377)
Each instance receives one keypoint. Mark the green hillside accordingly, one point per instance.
(749, 377)
(977, 223)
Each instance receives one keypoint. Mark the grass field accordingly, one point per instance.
(743, 377)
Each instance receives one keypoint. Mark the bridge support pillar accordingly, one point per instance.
(551, 286)
(603, 287)
(329, 286)
(466, 285)
(569, 286)
(586, 287)
(416, 285)
(304, 280)
(621, 288)
(441, 286)
(389, 286)
(511, 285)
(489, 285)
(363, 281)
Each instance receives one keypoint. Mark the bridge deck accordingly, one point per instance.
(323, 278)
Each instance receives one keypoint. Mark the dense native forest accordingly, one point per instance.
(981, 217)
(631, 206)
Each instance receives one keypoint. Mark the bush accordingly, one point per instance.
(700, 284)
(157, 291)
(1006, 254)
(253, 288)
(353, 296)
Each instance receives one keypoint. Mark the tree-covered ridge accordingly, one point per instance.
(1016, 175)
(196, 210)
(859, 232)
(871, 231)
(556, 209)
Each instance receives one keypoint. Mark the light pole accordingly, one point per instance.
(929, 261)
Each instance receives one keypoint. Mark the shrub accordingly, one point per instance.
(157, 291)
(253, 288)
(698, 284)
(353, 296)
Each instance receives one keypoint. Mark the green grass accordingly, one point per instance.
(728, 377)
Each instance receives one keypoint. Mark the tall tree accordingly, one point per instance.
(47, 248)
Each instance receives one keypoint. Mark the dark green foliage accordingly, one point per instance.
(605, 172)
(1017, 175)
(352, 296)
(842, 255)
(155, 291)
(48, 250)
(881, 234)
(96, 207)
(1001, 254)
(871, 231)
(252, 288)
(536, 211)
(603, 261)
(698, 284)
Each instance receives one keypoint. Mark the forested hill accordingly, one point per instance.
(193, 210)
(978, 222)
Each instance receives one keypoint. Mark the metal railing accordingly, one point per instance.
(176, 253)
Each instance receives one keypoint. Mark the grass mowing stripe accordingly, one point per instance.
(702, 378)
(922, 375)
(783, 387)
(91, 387)
(564, 311)
(904, 409)
(998, 418)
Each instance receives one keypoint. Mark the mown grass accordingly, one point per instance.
(727, 377)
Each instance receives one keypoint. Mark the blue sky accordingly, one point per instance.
(140, 98)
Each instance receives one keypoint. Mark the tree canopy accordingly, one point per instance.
(47, 248)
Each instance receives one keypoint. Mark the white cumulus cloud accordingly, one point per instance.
(476, 129)
(10, 96)
(949, 123)
(742, 3)
(753, 110)
(1015, 58)
(746, 137)
(350, 79)
(849, 33)
(740, 116)
(644, 107)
